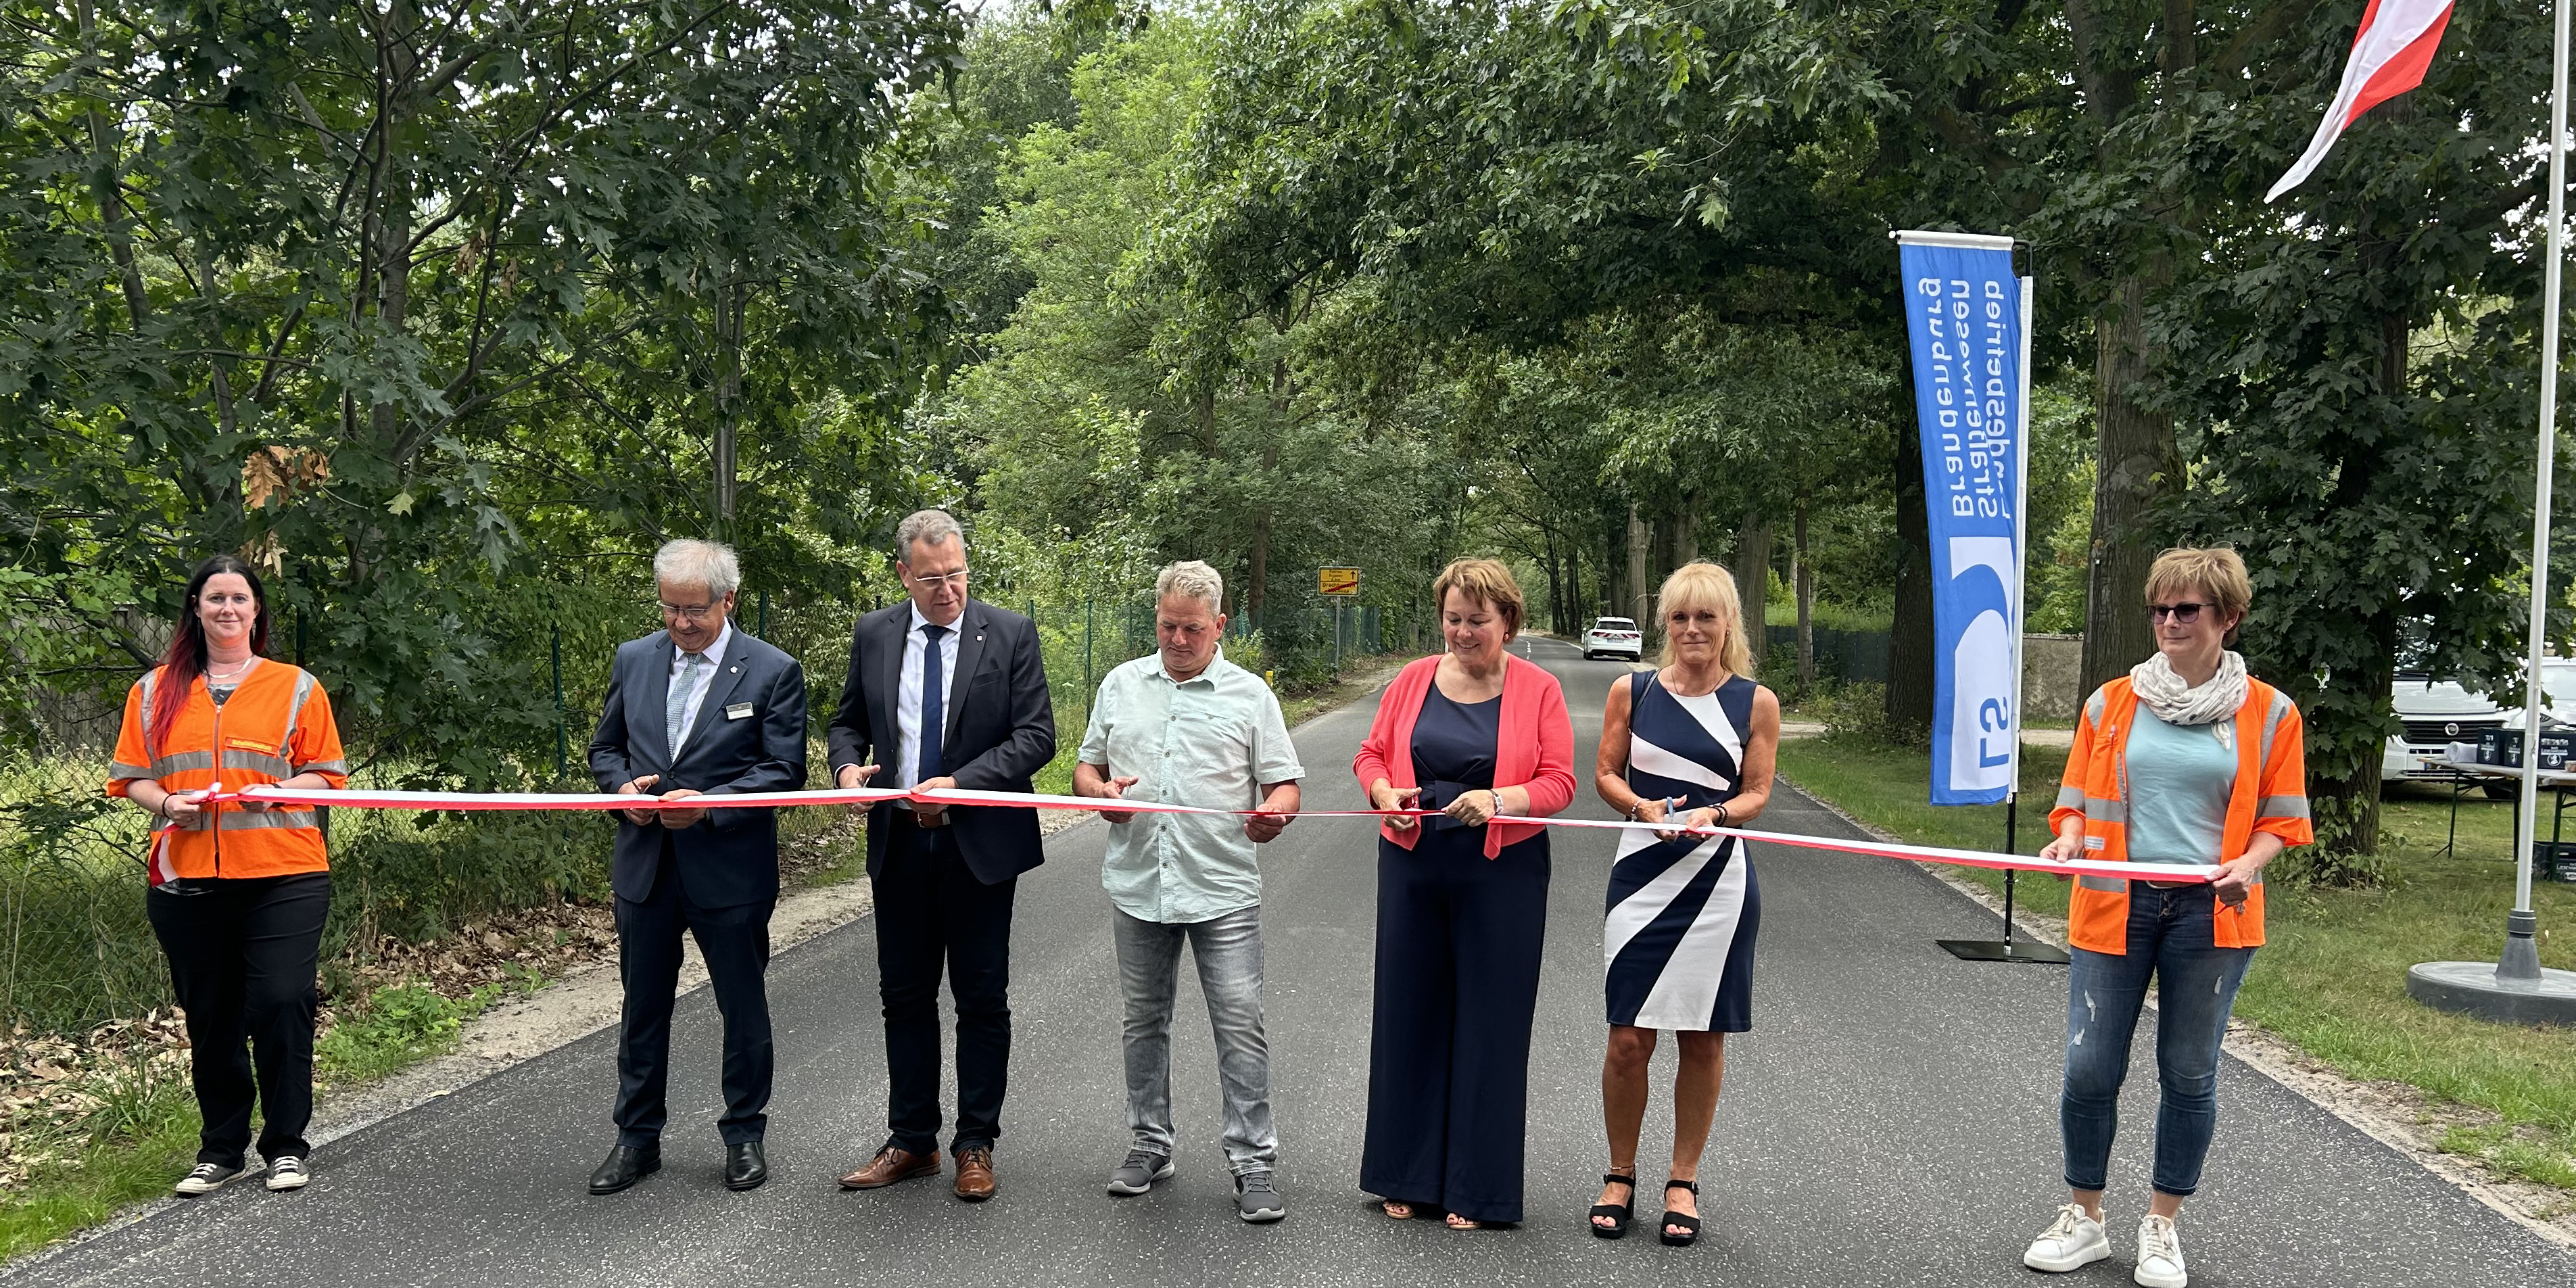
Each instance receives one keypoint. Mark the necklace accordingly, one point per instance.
(234, 673)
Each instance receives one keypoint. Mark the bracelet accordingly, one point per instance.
(1723, 818)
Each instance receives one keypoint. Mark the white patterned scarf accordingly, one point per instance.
(2162, 690)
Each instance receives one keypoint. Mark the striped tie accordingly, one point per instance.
(677, 710)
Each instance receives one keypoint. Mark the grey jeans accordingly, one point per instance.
(1228, 952)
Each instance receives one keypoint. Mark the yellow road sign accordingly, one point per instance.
(1338, 581)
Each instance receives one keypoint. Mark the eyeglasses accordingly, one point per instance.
(688, 612)
(2183, 613)
(957, 578)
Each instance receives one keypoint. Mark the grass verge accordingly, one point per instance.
(2331, 978)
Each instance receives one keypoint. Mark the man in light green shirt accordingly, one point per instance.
(1186, 727)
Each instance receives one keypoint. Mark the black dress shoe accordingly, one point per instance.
(746, 1166)
(625, 1166)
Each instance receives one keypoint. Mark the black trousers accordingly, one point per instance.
(932, 913)
(735, 942)
(1459, 938)
(243, 952)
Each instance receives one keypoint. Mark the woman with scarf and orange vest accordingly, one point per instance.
(239, 890)
(2187, 760)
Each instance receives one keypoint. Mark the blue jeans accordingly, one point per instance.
(1228, 952)
(2196, 982)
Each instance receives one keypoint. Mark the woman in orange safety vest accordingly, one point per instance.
(239, 890)
(2186, 760)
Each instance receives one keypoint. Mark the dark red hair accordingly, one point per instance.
(185, 659)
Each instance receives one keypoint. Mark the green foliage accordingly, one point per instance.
(1855, 715)
(1090, 452)
(412, 306)
(393, 1027)
(2369, 481)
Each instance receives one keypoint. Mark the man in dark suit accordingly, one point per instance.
(697, 709)
(949, 692)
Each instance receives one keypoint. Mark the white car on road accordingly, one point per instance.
(1614, 637)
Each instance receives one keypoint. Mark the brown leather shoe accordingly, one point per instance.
(975, 1173)
(891, 1165)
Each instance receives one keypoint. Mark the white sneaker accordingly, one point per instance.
(2070, 1242)
(287, 1172)
(203, 1179)
(2160, 1253)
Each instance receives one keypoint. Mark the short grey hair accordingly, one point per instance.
(1192, 579)
(930, 527)
(690, 562)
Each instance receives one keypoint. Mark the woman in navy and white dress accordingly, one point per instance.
(1692, 743)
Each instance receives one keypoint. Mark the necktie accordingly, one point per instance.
(676, 712)
(933, 709)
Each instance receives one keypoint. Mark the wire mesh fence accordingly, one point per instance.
(76, 949)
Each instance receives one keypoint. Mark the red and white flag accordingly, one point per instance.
(2389, 55)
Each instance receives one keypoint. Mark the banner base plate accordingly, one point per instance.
(2003, 950)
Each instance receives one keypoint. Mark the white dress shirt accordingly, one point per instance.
(907, 696)
(710, 660)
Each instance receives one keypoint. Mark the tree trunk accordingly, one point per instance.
(1256, 588)
(1753, 581)
(1686, 535)
(1632, 599)
(1555, 584)
(2139, 464)
(1909, 644)
(1801, 582)
(392, 243)
(2344, 753)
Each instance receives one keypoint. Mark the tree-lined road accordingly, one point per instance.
(1891, 1120)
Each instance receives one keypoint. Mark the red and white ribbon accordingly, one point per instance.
(2177, 873)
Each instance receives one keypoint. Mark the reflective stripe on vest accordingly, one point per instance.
(258, 762)
(2281, 807)
(295, 712)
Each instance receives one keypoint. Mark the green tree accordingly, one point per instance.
(371, 293)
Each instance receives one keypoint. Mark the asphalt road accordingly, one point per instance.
(1891, 1120)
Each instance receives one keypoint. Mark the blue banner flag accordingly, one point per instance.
(1968, 315)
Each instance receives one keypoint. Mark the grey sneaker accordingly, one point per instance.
(204, 1178)
(1139, 1172)
(287, 1172)
(1255, 1200)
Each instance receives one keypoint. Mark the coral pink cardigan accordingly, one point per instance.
(1535, 749)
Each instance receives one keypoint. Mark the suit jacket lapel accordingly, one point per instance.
(656, 724)
(720, 687)
(890, 643)
(972, 626)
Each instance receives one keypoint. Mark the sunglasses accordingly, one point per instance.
(2183, 613)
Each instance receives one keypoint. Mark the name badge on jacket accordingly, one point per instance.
(738, 711)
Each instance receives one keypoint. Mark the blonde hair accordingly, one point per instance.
(1701, 584)
(2217, 571)
(1485, 581)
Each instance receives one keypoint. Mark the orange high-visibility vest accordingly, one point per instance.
(2271, 795)
(276, 724)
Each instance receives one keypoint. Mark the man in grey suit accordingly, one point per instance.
(949, 692)
(697, 709)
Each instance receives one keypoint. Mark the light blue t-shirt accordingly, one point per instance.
(2180, 778)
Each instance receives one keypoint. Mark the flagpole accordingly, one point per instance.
(2521, 959)
(2516, 988)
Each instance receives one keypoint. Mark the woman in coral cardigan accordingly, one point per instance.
(1461, 905)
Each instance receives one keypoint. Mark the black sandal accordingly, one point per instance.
(1688, 1223)
(1619, 1212)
